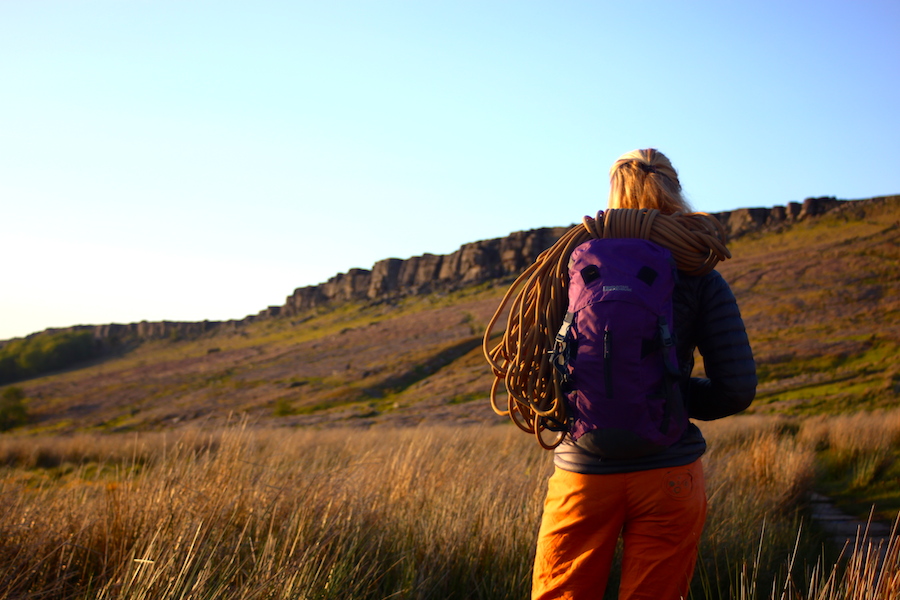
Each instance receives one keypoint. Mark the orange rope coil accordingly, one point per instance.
(538, 302)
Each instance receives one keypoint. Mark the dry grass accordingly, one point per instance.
(853, 434)
(757, 477)
(871, 571)
(761, 470)
(279, 514)
(401, 513)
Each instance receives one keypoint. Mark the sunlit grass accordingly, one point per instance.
(377, 513)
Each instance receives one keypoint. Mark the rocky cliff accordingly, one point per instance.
(751, 220)
(473, 263)
(498, 258)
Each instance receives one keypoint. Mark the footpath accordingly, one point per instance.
(848, 532)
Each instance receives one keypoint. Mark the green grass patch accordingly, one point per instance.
(858, 374)
(860, 480)
(845, 386)
(120, 423)
(284, 408)
(466, 398)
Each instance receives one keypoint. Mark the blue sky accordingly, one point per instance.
(190, 160)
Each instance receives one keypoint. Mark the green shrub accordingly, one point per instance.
(283, 408)
(12, 408)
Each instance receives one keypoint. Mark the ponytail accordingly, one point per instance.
(646, 179)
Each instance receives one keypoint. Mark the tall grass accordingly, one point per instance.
(381, 513)
(863, 444)
(244, 514)
(757, 478)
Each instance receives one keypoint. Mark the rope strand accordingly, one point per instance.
(538, 297)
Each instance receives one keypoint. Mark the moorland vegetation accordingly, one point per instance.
(125, 476)
(429, 512)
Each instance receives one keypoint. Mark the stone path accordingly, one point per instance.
(846, 531)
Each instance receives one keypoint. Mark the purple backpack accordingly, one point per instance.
(616, 350)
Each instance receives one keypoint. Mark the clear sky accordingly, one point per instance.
(190, 160)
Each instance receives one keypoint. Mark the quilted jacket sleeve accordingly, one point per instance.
(730, 383)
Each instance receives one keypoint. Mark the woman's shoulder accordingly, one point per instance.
(698, 296)
(710, 283)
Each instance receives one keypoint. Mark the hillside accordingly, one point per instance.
(820, 295)
(822, 304)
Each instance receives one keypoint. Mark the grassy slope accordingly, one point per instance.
(821, 300)
(822, 305)
(415, 360)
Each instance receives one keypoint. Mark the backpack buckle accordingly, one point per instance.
(563, 352)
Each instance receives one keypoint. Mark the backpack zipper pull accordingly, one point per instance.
(607, 361)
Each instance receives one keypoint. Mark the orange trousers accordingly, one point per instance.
(659, 513)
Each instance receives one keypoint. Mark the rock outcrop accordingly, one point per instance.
(499, 258)
(477, 262)
(472, 263)
(751, 220)
(116, 333)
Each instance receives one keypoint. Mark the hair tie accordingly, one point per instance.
(647, 168)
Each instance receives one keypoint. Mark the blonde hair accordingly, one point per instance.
(646, 179)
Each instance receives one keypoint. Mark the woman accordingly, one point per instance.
(656, 503)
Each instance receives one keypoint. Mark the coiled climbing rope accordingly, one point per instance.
(538, 301)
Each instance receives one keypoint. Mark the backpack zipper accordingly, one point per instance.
(607, 362)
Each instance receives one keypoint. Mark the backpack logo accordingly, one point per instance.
(615, 352)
